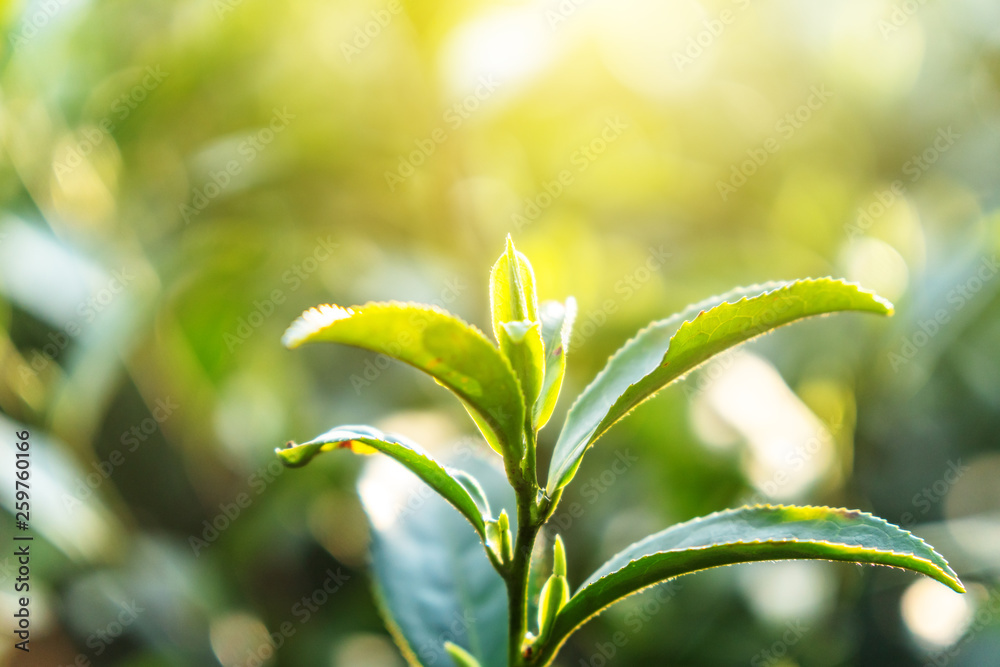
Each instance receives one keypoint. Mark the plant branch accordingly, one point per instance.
(517, 578)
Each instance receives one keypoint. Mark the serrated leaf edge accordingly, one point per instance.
(315, 319)
(396, 632)
(480, 527)
(767, 289)
(948, 574)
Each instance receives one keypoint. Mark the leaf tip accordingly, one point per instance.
(890, 309)
(312, 321)
(559, 557)
(460, 657)
(291, 457)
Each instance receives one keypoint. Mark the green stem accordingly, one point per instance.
(519, 569)
(517, 579)
(530, 458)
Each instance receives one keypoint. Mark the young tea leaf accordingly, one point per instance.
(667, 350)
(512, 289)
(457, 355)
(457, 487)
(554, 596)
(557, 326)
(514, 308)
(521, 343)
(749, 534)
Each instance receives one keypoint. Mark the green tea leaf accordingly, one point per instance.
(457, 487)
(554, 596)
(471, 485)
(454, 353)
(557, 326)
(512, 289)
(558, 557)
(514, 309)
(748, 534)
(433, 580)
(521, 343)
(667, 350)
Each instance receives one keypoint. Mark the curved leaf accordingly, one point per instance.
(433, 581)
(557, 325)
(749, 534)
(667, 350)
(453, 485)
(456, 354)
(471, 485)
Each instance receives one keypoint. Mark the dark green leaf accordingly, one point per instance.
(433, 580)
(667, 350)
(760, 533)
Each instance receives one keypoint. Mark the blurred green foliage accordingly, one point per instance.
(179, 180)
